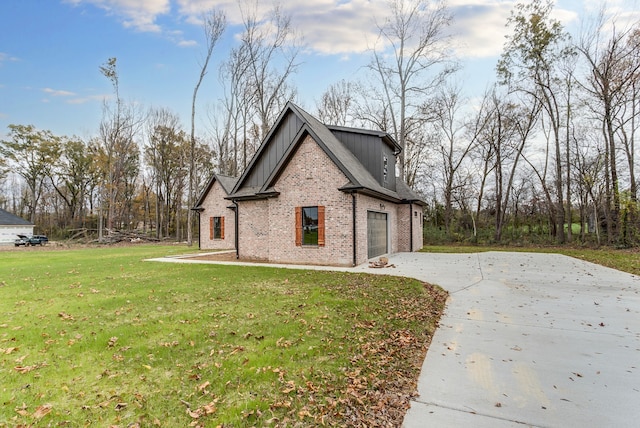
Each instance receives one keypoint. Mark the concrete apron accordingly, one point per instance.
(528, 340)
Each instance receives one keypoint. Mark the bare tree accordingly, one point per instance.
(409, 60)
(336, 105)
(504, 129)
(614, 70)
(230, 122)
(256, 82)
(118, 152)
(272, 51)
(528, 64)
(214, 24)
(166, 153)
(453, 146)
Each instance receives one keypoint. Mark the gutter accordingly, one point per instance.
(199, 245)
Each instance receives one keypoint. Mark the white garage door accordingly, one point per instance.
(376, 234)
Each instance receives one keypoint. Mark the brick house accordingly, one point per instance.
(313, 194)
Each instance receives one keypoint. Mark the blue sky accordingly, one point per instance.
(51, 51)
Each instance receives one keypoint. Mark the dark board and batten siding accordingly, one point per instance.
(280, 141)
(370, 150)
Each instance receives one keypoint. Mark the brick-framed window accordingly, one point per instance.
(310, 226)
(216, 228)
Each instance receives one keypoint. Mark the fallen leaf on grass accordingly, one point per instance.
(291, 386)
(282, 343)
(27, 369)
(236, 350)
(8, 351)
(65, 316)
(22, 411)
(42, 411)
(207, 409)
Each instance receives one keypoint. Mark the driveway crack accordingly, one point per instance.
(475, 283)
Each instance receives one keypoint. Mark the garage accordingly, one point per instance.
(11, 226)
(377, 234)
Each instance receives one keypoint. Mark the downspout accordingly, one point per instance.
(199, 244)
(410, 227)
(353, 204)
(236, 227)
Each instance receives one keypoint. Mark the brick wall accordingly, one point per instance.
(255, 239)
(267, 227)
(404, 227)
(215, 205)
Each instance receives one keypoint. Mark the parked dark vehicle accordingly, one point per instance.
(30, 240)
(43, 239)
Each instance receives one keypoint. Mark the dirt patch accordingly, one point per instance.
(224, 256)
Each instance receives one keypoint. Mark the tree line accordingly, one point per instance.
(547, 153)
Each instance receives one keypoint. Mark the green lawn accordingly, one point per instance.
(99, 337)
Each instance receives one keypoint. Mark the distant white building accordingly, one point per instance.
(11, 226)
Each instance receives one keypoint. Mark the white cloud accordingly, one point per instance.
(58, 93)
(341, 27)
(478, 27)
(187, 43)
(84, 100)
(5, 57)
(137, 14)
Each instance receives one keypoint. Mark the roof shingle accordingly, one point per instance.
(8, 219)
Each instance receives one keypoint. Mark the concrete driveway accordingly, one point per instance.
(539, 340)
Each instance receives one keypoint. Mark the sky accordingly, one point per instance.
(51, 51)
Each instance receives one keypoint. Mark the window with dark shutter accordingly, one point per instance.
(210, 227)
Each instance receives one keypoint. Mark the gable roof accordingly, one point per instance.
(8, 219)
(225, 181)
(358, 178)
